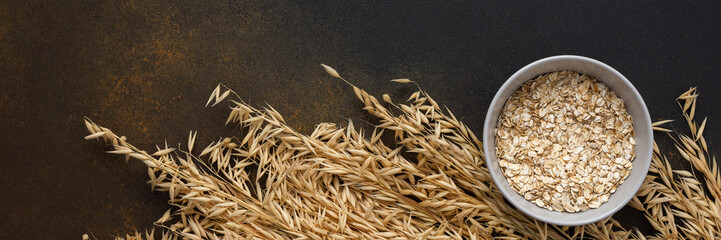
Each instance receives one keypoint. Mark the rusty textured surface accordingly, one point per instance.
(145, 69)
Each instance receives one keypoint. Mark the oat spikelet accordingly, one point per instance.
(700, 130)
(191, 140)
(94, 135)
(330, 71)
(401, 80)
(214, 95)
(387, 98)
(659, 123)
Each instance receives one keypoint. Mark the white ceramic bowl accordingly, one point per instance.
(634, 105)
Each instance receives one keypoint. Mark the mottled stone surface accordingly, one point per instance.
(146, 69)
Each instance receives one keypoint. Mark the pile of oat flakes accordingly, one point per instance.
(565, 141)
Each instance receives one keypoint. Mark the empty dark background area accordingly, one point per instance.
(146, 69)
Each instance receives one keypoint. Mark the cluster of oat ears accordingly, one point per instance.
(343, 183)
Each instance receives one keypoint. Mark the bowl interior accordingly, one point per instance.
(635, 107)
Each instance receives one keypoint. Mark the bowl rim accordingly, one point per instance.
(489, 144)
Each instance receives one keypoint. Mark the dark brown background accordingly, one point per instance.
(146, 69)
